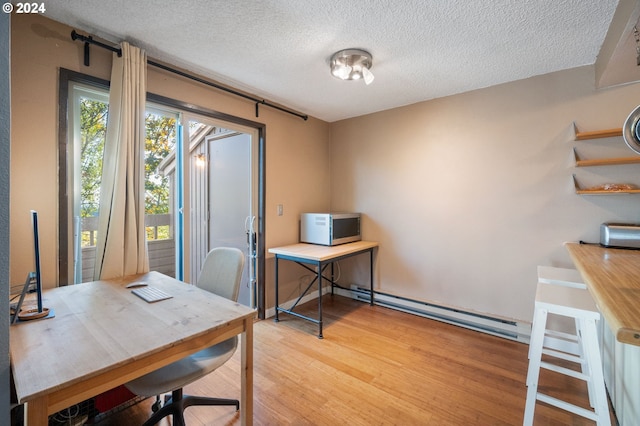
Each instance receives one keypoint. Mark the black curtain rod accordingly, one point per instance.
(88, 40)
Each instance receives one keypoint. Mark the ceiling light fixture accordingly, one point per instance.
(352, 64)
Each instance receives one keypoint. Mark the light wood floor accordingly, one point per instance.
(377, 366)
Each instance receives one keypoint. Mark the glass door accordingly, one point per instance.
(190, 151)
(222, 197)
(230, 217)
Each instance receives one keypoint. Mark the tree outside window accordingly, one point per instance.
(159, 144)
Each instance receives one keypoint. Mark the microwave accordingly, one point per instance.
(329, 229)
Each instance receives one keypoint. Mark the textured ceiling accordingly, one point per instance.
(422, 49)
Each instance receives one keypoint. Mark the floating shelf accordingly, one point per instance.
(596, 192)
(604, 161)
(607, 161)
(597, 134)
(582, 191)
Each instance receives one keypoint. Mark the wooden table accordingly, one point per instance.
(103, 336)
(320, 257)
(613, 278)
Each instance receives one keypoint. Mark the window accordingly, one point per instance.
(89, 112)
(185, 191)
(160, 144)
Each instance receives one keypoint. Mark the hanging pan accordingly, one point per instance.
(631, 130)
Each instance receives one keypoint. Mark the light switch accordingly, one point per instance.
(280, 210)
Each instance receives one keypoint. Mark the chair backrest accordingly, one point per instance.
(222, 271)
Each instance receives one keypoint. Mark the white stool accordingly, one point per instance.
(554, 339)
(560, 276)
(574, 303)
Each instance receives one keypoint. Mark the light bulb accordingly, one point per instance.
(368, 76)
(201, 160)
(342, 71)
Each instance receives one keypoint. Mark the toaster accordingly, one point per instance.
(620, 235)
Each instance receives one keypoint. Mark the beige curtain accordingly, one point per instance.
(121, 247)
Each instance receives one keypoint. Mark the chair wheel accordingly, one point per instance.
(156, 405)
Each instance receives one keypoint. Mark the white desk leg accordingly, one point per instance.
(246, 374)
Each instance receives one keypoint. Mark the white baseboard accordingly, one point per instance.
(508, 329)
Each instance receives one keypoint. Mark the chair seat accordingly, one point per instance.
(184, 371)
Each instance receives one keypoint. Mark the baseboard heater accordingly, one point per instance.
(512, 330)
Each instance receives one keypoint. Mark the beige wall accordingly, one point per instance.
(467, 194)
(297, 151)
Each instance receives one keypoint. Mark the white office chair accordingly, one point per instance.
(220, 275)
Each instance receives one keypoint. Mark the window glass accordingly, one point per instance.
(89, 120)
(161, 129)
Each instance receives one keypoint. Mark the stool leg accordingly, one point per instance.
(534, 327)
(584, 364)
(589, 337)
(535, 356)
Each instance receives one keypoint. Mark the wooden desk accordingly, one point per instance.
(320, 257)
(613, 278)
(103, 336)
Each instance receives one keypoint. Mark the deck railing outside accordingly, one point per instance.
(160, 243)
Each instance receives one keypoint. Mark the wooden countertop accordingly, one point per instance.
(613, 278)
